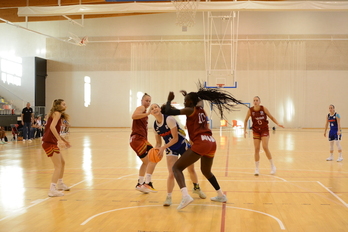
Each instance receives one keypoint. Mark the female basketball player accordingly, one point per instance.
(138, 142)
(175, 144)
(335, 132)
(203, 144)
(51, 142)
(258, 114)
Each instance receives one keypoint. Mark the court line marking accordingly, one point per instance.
(281, 225)
(334, 194)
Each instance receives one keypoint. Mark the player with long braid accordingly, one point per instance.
(203, 143)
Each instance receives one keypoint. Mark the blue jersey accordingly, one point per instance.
(165, 132)
(332, 119)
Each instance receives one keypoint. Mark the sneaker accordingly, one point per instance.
(150, 188)
(257, 172)
(63, 187)
(186, 200)
(168, 201)
(329, 159)
(340, 159)
(200, 193)
(55, 193)
(273, 170)
(219, 199)
(23, 140)
(141, 188)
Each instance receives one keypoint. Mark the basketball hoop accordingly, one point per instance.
(220, 85)
(185, 12)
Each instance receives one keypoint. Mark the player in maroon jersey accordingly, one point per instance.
(258, 114)
(52, 142)
(203, 143)
(138, 142)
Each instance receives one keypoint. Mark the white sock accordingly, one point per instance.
(257, 164)
(331, 155)
(184, 192)
(340, 155)
(60, 181)
(147, 178)
(220, 193)
(169, 194)
(271, 161)
(53, 187)
(141, 180)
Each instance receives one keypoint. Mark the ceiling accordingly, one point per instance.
(9, 9)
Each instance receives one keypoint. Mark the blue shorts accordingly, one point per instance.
(184, 146)
(334, 136)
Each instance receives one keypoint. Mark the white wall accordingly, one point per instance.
(113, 77)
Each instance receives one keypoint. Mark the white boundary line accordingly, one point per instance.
(281, 225)
(335, 195)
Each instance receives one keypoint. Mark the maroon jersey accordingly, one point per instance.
(139, 127)
(48, 135)
(197, 123)
(259, 119)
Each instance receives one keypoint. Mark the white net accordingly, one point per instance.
(185, 12)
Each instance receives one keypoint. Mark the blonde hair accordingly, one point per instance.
(56, 106)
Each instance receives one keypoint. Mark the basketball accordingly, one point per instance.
(153, 155)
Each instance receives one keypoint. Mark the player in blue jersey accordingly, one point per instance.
(335, 135)
(175, 144)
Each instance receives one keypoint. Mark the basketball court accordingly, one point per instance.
(307, 193)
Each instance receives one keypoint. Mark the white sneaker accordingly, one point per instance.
(340, 159)
(168, 201)
(273, 170)
(23, 140)
(219, 199)
(55, 193)
(142, 189)
(329, 159)
(257, 172)
(186, 200)
(200, 193)
(63, 187)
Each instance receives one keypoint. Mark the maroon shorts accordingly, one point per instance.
(140, 145)
(260, 132)
(204, 145)
(50, 148)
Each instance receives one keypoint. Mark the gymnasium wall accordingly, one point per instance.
(297, 62)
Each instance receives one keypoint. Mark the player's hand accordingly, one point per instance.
(171, 96)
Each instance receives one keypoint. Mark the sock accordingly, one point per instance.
(331, 155)
(169, 194)
(340, 155)
(257, 164)
(53, 186)
(220, 193)
(141, 180)
(60, 181)
(147, 178)
(184, 192)
(271, 161)
(196, 186)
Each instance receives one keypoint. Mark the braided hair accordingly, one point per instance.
(221, 100)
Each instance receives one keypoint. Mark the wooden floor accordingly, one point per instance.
(308, 193)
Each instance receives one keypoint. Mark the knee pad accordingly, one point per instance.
(331, 145)
(338, 145)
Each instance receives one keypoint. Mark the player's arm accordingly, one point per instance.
(139, 113)
(271, 117)
(246, 122)
(326, 125)
(338, 124)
